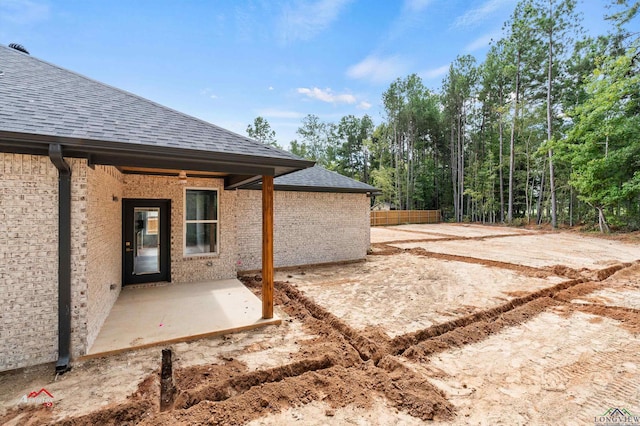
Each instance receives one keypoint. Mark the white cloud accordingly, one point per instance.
(364, 105)
(279, 113)
(306, 19)
(327, 95)
(270, 88)
(474, 16)
(213, 96)
(23, 11)
(435, 72)
(482, 42)
(378, 70)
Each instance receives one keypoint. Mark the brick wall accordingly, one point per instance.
(29, 260)
(79, 231)
(104, 245)
(197, 268)
(309, 227)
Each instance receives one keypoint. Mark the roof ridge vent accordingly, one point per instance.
(18, 47)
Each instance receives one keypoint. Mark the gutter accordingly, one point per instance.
(79, 147)
(64, 258)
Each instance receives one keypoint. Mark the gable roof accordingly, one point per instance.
(43, 103)
(319, 179)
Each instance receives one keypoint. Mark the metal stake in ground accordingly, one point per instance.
(167, 388)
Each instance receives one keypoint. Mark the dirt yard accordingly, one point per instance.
(446, 324)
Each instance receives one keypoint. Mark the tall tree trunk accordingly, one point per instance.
(454, 171)
(512, 158)
(552, 188)
(460, 169)
(500, 166)
(602, 221)
(552, 185)
(570, 205)
(541, 193)
(397, 167)
(528, 194)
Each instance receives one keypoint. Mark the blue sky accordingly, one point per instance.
(229, 61)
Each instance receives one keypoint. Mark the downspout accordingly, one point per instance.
(64, 258)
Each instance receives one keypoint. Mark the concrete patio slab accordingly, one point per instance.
(148, 316)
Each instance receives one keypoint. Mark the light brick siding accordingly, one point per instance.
(79, 232)
(104, 242)
(29, 260)
(309, 227)
(198, 268)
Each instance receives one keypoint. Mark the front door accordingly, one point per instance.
(145, 232)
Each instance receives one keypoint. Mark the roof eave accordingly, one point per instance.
(120, 153)
(309, 188)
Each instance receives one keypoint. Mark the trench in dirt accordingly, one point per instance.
(343, 365)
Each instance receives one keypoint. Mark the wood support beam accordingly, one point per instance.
(267, 247)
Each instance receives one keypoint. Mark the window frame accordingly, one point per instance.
(185, 221)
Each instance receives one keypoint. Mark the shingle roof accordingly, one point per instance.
(43, 99)
(319, 179)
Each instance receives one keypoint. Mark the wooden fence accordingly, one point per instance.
(399, 217)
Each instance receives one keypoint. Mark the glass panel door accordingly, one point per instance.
(146, 241)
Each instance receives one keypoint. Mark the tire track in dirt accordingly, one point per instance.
(621, 381)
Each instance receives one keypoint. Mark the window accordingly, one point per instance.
(201, 222)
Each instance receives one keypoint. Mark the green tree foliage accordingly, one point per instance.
(604, 144)
(414, 138)
(318, 141)
(546, 126)
(261, 131)
(458, 99)
(352, 156)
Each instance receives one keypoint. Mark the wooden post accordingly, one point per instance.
(267, 247)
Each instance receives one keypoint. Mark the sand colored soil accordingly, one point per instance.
(540, 250)
(462, 230)
(537, 331)
(552, 369)
(381, 235)
(405, 293)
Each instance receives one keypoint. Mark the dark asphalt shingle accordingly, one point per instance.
(40, 98)
(317, 178)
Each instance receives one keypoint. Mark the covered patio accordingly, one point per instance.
(146, 315)
(128, 170)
